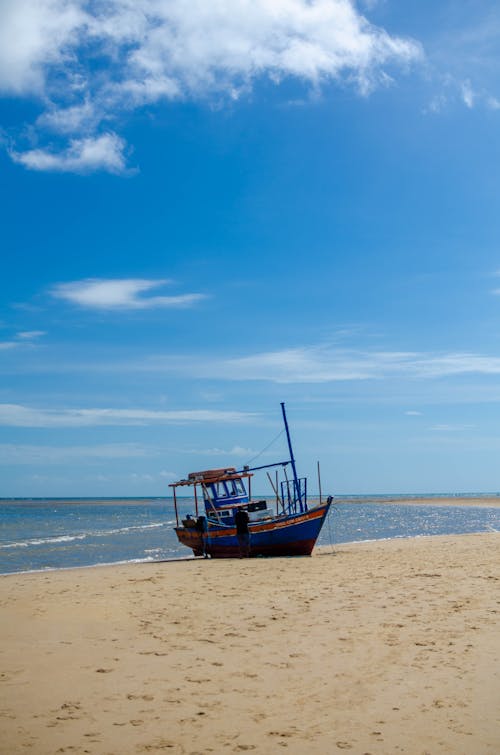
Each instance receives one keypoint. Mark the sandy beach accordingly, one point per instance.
(380, 647)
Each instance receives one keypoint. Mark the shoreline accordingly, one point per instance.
(378, 646)
(318, 550)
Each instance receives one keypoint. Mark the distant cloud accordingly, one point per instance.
(30, 335)
(320, 364)
(413, 414)
(23, 338)
(15, 415)
(11, 453)
(168, 475)
(451, 428)
(87, 62)
(87, 155)
(464, 58)
(455, 90)
(121, 293)
(468, 94)
(235, 451)
(324, 364)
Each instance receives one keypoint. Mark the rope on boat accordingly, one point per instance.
(329, 524)
(281, 432)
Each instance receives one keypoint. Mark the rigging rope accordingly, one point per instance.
(266, 448)
(333, 510)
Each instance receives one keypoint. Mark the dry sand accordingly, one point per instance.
(382, 647)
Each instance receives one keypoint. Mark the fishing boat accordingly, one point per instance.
(227, 522)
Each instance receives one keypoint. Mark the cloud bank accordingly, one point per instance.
(325, 364)
(88, 61)
(11, 453)
(16, 415)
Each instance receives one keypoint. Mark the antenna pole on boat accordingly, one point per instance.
(319, 483)
(292, 459)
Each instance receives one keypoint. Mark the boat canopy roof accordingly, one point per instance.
(211, 475)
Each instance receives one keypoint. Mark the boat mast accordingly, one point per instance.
(292, 459)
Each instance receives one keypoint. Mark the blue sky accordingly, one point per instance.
(207, 209)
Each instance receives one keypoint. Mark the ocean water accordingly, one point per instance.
(54, 534)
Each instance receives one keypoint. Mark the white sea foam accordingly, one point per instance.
(148, 560)
(81, 536)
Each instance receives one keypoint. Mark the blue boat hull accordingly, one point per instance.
(291, 535)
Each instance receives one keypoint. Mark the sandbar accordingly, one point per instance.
(459, 501)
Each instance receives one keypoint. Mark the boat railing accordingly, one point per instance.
(294, 495)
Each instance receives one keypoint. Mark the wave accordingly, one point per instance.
(81, 536)
(146, 560)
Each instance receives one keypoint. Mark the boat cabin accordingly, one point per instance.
(223, 492)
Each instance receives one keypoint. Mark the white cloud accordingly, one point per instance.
(451, 428)
(88, 61)
(37, 37)
(463, 57)
(86, 155)
(15, 415)
(318, 365)
(23, 338)
(124, 293)
(168, 475)
(235, 451)
(324, 364)
(412, 413)
(30, 335)
(68, 120)
(28, 454)
(468, 94)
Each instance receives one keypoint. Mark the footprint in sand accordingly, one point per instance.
(140, 697)
(159, 744)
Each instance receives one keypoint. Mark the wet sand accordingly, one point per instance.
(380, 647)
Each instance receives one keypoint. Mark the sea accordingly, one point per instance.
(47, 534)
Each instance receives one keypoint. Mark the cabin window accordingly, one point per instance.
(236, 488)
(224, 489)
(219, 490)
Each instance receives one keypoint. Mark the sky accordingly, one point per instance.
(210, 208)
